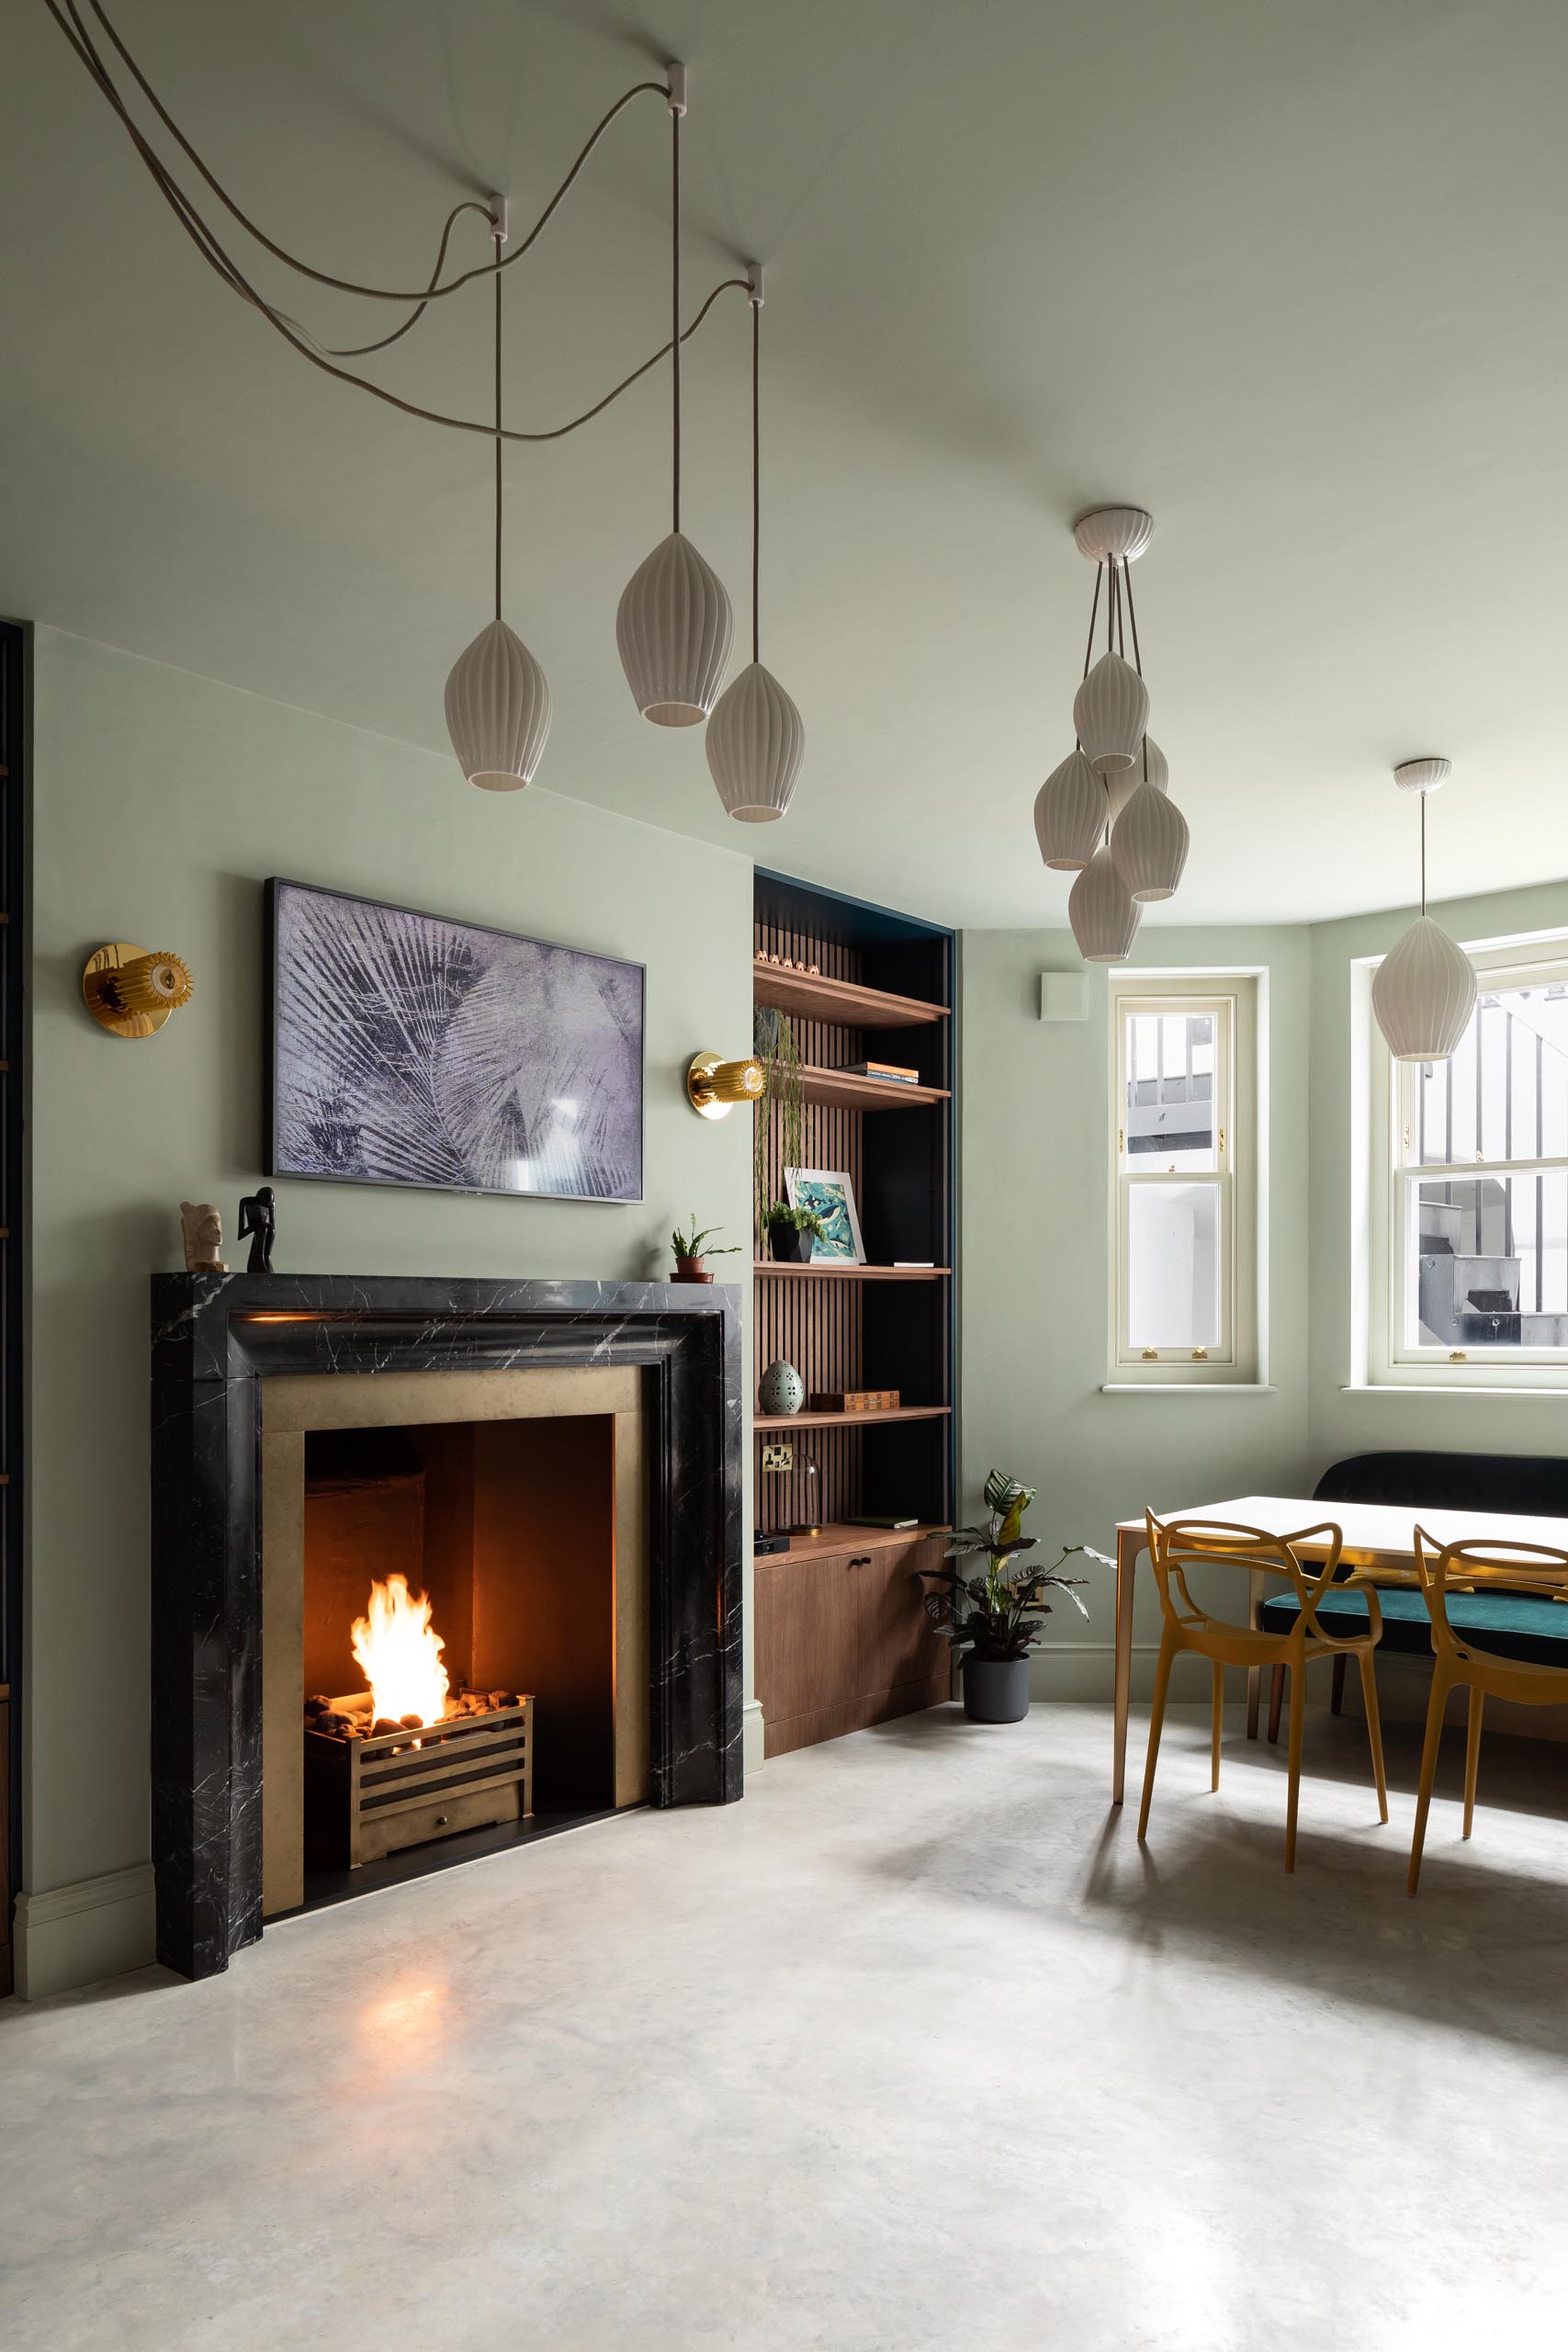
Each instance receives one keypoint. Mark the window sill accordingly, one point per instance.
(1446, 1388)
(1187, 1388)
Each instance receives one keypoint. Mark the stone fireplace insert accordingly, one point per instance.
(250, 1371)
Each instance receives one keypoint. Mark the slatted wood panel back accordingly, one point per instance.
(817, 1327)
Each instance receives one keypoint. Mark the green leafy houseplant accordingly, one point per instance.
(691, 1246)
(996, 1618)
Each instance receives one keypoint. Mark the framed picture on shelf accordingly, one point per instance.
(406, 1048)
(831, 1193)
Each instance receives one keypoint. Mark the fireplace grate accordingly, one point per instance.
(368, 1796)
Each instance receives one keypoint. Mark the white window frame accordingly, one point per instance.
(1232, 998)
(1394, 1359)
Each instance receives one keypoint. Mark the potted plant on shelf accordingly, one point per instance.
(690, 1249)
(791, 1232)
(995, 1620)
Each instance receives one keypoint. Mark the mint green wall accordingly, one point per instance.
(1034, 1190)
(161, 802)
(1364, 1421)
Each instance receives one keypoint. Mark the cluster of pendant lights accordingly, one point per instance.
(1106, 813)
(1424, 991)
(673, 627)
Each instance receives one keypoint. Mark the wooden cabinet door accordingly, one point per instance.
(805, 1635)
(895, 1643)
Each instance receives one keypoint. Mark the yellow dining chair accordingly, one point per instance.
(1461, 1579)
(1183, 1544)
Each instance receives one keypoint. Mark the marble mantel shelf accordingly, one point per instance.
(217, 1337)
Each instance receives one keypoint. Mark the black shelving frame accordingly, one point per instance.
(16, 679)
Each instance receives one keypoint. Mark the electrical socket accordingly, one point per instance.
(778, 1457)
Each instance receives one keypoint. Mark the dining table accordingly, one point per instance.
(1377, 1539)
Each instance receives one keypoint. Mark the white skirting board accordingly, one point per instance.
(751, 1737)
(68, 1936)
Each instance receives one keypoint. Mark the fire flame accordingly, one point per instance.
(399, 1653)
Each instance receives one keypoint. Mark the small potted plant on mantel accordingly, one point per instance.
(995, 1620)
(691, 1249)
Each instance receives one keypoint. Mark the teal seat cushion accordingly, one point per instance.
(1510, 1624)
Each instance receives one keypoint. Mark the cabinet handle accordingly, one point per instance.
(861, 1560)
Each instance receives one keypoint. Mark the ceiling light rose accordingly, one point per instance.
(498, 711)
(1424, 991)
(755, 744)
(1069, 815)
(1149, 843)
(673, 627)
(1153, 767)
(1104, 919)
(1111, 714)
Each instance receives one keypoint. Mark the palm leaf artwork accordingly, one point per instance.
(409, 1050)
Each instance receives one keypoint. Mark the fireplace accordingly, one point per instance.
(531, 1490)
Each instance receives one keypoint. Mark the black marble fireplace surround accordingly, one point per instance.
(216, 1338)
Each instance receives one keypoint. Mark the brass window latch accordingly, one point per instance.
(1457, 1355)
(1200, 1355)
(1151, 1355)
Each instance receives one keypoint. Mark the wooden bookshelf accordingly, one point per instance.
(815, 996)
(768, 1424)
(843, 1271)
(845, 1090)
(841, 1537)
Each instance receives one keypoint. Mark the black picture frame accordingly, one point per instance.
(284, 1152)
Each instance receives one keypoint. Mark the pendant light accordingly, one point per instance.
(1149, 842)
(1424, 991)
(1103, 916)
(755, 741)
(673, 624)
(1153, 768)
(497, 701)
(1070, 810)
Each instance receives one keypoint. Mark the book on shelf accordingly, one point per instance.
(913, 1265)
(855, 1400)
(876, 1518)
(897, 1073)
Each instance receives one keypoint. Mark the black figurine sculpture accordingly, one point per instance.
(258, 1217)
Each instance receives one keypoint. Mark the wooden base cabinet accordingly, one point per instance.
(844, 1641)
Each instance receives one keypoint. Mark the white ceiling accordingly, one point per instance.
(1289, 275)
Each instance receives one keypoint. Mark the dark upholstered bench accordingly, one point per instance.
(1513, 1624)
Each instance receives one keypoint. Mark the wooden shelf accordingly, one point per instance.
(813, 997)
(767, 1424)
(830, 1269)
(845, 1538)
(841, 1089)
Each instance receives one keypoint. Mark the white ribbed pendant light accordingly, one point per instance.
(673, 624)
(1424, 991)
(1069, 815)
(498, 711)
(755, 744)
(755, 740)
(1148, 844)
(1150, 767)
(1104, 919)
(498, 703)
(1111, 714)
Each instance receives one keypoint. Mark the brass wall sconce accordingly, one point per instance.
(714, 1086)
(130, 992)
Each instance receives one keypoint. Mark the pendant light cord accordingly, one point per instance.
(497, 439)
(1423, 854)
(756, 478)
(207, 243)
(675, 310)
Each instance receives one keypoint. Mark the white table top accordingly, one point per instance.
(1375, 1535)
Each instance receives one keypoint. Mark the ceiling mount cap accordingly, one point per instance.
(1421, 776)
(1108, 532)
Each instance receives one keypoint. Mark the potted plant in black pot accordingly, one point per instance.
(791, 1232)
(995, 1620)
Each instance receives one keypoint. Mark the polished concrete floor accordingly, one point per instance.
(912, 2049)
